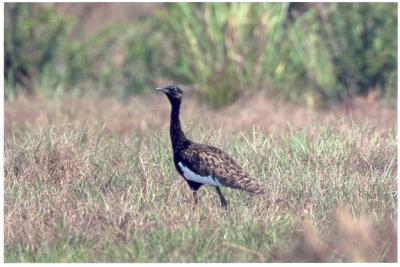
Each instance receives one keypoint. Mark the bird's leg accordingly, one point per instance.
(224, 203)
(195, 197)
(196, 209)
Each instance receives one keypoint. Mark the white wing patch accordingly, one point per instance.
(191, 176)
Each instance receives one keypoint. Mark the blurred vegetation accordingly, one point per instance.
(226, 49)
(34, 38)
(308, 52)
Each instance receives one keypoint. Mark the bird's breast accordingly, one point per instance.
(194, 177)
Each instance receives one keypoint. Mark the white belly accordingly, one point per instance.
(191, 176)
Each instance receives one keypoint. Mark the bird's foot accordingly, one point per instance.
(224, 204)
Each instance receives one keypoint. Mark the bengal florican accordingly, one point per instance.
(202, 164)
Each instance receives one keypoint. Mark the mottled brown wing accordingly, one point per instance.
(207, 160)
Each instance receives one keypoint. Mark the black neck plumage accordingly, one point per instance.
(177, 136)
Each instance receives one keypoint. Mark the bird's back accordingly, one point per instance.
(216, 165)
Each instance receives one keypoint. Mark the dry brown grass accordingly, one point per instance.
(352, 239)
(84, 183)
(269, 115)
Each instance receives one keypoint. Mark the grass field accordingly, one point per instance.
(90, 184)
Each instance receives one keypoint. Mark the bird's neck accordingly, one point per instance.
(177, 136)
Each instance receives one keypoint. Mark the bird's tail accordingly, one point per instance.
(250, 185)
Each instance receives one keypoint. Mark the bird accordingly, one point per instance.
(201, 164)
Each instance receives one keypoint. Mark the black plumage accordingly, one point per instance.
(203, 164)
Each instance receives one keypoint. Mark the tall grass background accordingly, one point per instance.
(313, 53)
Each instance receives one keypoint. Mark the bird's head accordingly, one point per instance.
(173, 92)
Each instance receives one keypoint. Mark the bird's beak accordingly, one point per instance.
(160, 89)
